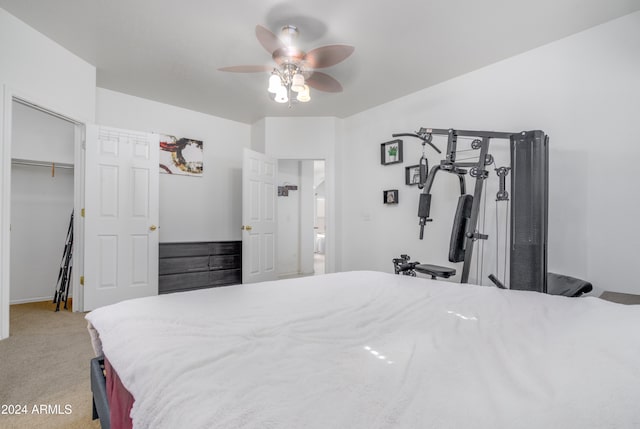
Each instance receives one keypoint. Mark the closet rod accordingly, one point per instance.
(44, 110)
(41, 163)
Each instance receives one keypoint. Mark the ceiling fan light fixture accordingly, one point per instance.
(274, 84)
(304, 96)
(294, 69)
(297, 83)
(281, 95)
(289, 34)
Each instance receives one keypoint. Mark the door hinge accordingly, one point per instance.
(82, 280)
(82, 212)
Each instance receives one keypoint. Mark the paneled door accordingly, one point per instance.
(120, 216)
(258, 217)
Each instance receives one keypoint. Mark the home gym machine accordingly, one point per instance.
(528, 171)
(63, 284)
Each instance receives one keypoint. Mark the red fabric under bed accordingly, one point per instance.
(120, 400)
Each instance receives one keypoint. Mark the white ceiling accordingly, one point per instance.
(169, 51)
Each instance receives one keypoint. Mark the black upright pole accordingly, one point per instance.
(472, 234)
(529, 210)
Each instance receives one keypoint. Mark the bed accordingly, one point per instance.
(373, 350)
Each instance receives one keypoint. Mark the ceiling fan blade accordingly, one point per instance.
(246, 69)
(323, 82)
(327, 56)
(268, 40)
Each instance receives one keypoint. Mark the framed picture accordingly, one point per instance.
(390, 196)
(412, 174)
(391, 152)
(180, 156)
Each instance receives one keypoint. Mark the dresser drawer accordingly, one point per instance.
(196, 265)
(225, 277)
(225, 247)
(224, 262)
(173, 250)
(184, 281)
(183, 265)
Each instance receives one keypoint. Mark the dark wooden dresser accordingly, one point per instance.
(197, 265)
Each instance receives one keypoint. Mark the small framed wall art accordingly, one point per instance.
(412, 174)
(391, 152)
(390, 196)
(180, 156)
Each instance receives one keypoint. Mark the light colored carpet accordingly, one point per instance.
(45, 361)
(621, 298)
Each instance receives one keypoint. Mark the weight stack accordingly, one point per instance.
(529, 210)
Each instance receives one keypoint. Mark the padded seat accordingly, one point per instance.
(435, 270)
(559, 284)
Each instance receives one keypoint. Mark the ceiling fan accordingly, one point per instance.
(295, 70)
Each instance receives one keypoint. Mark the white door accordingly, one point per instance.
(121, 216)
(258, 217)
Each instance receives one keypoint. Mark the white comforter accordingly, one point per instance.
(373, 350)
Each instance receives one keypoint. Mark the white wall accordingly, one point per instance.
(295, 218)
(40, 210)
(207, 208)
(288, 219)
(258, 136)
(43, 71)
(584, 91)
(308, 138)
(299, 137)
(38, 136)
(306, 217)
(36, 68)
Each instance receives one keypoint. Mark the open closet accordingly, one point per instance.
(42, 200)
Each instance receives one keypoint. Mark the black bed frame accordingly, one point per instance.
(99, 391)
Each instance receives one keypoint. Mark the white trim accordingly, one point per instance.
(5, 209)
(9, 94)
(77, 291)
(39, 108)
(330, 209)
(330, 216)
(28, 300)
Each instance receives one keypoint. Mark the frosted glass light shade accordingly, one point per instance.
(304, 96)
(281, 95)
(297, 83)
(274, 84)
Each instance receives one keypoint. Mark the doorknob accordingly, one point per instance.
(246, 228)
(153, 227)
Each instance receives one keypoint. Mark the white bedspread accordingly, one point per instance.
(373, 350)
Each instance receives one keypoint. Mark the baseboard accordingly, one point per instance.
(282, 276)
(28, 300)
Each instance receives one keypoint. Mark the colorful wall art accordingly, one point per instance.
(180, 156)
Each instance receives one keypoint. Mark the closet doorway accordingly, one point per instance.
(301, 218)
(44, 148)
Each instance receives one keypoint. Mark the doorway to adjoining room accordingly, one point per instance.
(319, 218)
(301, 218)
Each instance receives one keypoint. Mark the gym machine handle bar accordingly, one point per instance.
(417, 136)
